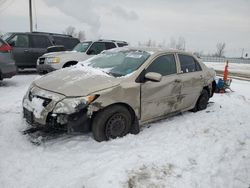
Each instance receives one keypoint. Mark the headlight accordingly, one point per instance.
(72, 105)
(30, 87)
(50, 60)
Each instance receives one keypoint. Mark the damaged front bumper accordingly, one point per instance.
(43, 116)
(79, 122)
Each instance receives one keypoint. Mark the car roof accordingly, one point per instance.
(151, 50)
(106, 40)
(43, 33)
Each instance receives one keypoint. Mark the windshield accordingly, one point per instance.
(82, 47)
(119, 63)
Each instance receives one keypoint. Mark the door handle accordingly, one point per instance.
(177, 80)
(26, 51)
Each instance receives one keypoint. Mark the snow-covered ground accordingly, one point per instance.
(210, 148)
(232, 67)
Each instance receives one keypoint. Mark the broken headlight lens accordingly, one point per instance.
(72, 105)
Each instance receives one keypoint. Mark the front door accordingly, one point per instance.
(161, 98)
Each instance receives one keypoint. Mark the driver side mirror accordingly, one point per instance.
(153, 76)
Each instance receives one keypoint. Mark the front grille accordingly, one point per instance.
(28, 116)
(41, 60)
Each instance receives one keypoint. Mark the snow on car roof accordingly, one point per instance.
(150, 50)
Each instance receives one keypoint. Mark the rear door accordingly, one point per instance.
(21, 49)
(192, 80)
(161, 98)
(39, 44)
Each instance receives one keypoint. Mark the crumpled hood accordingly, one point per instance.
(77, 81)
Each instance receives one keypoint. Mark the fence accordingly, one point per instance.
(222, 59)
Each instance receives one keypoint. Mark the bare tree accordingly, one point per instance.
(70, 30)
(81, 35)
(172, 43)
(199, 53)
(180, 44)
(152, 43)
(220, 49)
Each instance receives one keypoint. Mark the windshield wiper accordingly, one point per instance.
(114, 74)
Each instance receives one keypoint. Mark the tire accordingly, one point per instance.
(111, 122)
(202, 101)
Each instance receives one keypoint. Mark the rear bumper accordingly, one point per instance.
(8, 71)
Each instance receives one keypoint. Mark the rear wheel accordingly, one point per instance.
(112, 122)
(202, 101)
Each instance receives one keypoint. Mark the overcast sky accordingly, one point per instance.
(201, 23)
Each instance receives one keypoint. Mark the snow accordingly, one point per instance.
(88, 70)
(35, 106)
(232, 67)
(210, 148)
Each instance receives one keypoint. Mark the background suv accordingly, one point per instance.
(7, 64)
(28, 46)
(82, 51)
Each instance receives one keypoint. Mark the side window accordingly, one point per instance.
(198, 67)
(40, 41)
(21, 41)
(110, 45)
(121, 44)
(188, 64)
(96, 48)
(165, 65)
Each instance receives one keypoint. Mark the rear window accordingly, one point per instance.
(67, 42)
(19, 40)
(7, 36)
(188, 64)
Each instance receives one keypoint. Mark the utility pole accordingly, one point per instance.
(31, 23)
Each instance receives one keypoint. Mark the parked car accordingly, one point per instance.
(118, 90)
(28, 46)
(82, 51)
(7, 64)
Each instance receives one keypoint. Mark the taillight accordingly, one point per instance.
(5, 48)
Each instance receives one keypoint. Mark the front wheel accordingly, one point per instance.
(111, 122)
